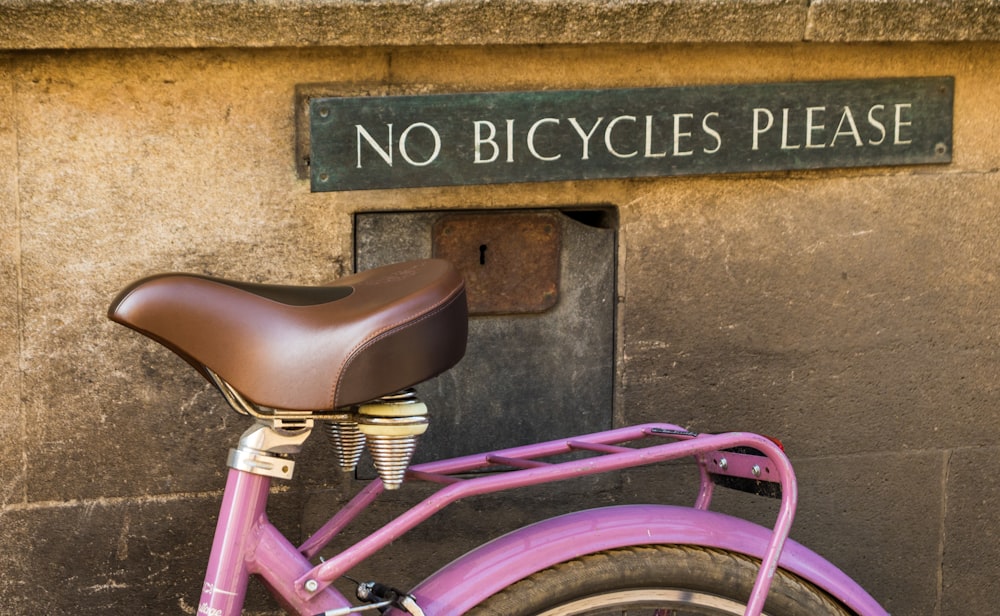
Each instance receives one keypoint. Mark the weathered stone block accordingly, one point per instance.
(117, 556)
(11, 414)
(900, 20)
(134, 24)
(971, 532)
(813, 313)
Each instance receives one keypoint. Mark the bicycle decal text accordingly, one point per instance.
(211, 590)
(208, 610)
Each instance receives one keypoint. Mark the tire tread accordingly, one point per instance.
(683, 566)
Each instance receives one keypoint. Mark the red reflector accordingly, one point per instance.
(780, 445)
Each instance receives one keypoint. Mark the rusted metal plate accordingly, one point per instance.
(510, 260)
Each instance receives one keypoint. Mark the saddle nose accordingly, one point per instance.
(308, 348)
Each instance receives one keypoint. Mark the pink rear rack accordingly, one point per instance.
(607, 451)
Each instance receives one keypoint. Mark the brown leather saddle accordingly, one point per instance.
(308, 348)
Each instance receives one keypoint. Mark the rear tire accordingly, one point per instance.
(656, 580)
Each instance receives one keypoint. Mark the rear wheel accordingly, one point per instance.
(655, 580)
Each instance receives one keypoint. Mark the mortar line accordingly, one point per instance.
(874, 454)
(807, 27)
(942, 530)
(621, 295)
(19, 290)
(111, 501)
(389, 57)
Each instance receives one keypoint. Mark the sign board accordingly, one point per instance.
(360, 143)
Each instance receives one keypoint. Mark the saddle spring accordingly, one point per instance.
(389, 426)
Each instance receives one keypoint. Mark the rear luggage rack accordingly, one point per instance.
(524, 466)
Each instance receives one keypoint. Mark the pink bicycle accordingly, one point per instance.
(346, 355)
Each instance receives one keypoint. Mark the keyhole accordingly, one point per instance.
(482, 254)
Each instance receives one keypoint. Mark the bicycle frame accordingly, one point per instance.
(246, 543)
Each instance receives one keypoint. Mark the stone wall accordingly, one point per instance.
(851, 312)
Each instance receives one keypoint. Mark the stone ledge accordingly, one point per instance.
(904, 20)
(123, 24)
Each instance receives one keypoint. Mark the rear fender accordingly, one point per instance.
(469, 580)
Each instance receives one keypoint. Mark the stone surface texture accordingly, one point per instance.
(29, 24)
(853, 313)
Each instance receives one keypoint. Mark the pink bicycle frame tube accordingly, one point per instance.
(243, 506)
(246, 543)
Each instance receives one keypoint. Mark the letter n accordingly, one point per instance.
(385, 153)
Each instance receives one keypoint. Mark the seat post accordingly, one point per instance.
(263, 453)
(244, 505)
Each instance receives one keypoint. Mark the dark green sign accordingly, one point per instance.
(505, 137)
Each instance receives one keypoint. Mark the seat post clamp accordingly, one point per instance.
(265, 448)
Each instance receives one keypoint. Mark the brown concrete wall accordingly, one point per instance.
(851, 312)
